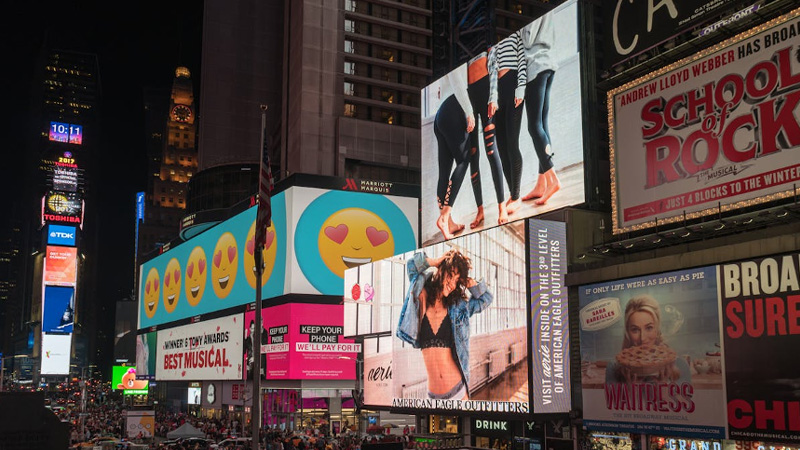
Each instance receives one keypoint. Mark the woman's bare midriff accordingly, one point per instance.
(477, 70)
(502, 72)
(443, 372)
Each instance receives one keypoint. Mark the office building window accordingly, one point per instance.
(349, 110)
(349, 47)
(349, 26)
(350, 5)
(349, 88)
(349, 68)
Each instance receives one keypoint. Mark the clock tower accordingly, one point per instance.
(172, 169)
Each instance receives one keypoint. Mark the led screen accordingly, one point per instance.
(316, 234)
(61, 235)
(466, 350)
(301, 342)
(208, 350)
(65, 132)
(56, 350)
(146, 356)
(193, 396)
(715, 132)
(59, 309)
(61, 206)
(530, 155)
(60, 265)
(65, 178)
(140, 423)
(124, 378)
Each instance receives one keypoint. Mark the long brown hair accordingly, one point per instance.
(453, 262)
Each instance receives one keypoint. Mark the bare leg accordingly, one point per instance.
(478, 219)
(502, 213)
(553, 185)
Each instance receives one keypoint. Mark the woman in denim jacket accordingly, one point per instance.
(435, 319)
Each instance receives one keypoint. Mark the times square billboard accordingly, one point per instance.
(706, 352)
(504, 331)
(715, 132)
(315, 235)
(526, 156)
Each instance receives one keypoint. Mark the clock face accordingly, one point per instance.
(181, 113)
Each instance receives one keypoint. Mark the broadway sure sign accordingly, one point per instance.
(716, 131)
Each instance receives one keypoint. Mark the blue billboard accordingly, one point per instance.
(214, 270)
(61, 235)
(58, 311)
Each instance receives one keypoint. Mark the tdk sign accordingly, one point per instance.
(60, 235)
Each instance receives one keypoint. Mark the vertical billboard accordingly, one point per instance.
(333, 231)
(146, 355)
(302, 342)
(457, 313)
(650, 348)
(208, 350)
(58, 310)
(61, 265)
(714, 132)
(55, 354)
(550, 358)
(761, 323)
(527, 158)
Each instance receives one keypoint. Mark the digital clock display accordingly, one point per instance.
(66, 132)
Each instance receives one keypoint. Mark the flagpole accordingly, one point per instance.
(255, 410)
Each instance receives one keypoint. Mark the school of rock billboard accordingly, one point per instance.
(707, 352)
(714, 132)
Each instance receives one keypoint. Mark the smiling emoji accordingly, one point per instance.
(151, 290)
(353, 236)
(196, 274)
(224, 265)
(269, 253)
(172, 285)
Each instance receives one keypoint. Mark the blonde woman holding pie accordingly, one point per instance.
(645, 357)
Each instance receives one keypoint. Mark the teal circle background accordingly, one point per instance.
(324, 206)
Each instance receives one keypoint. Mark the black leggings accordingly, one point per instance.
(450, 128)
(508, 120)
(537, 105)
(479, 98)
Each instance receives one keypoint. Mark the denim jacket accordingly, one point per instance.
(418, 273)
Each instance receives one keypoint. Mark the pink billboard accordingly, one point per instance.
(301, 341)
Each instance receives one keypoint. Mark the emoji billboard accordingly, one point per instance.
(205, 273)
(316, 234)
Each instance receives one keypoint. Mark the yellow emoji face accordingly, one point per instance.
(270, 251)
(196, 274)
(152, 286)
(172, 285)
(354, 236)
(224, 265)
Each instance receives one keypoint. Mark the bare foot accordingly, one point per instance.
(539, 189)
(553, 185)
(456, 228)
(443, 226)
(503, 214)
(512, 205)
(478, 219)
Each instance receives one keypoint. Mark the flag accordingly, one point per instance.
(265, 185)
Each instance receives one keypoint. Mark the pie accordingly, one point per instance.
(647, 359)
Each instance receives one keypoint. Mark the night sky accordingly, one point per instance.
(138, 44)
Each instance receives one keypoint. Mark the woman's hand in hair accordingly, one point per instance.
(471, 282)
